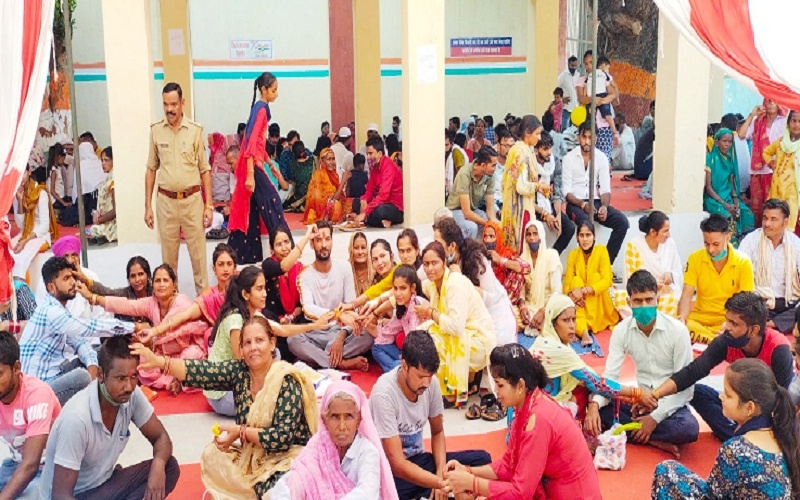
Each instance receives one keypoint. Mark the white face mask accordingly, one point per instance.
(69, 160)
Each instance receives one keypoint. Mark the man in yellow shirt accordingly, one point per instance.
(716, 273)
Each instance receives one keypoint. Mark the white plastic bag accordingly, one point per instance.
(610, 452)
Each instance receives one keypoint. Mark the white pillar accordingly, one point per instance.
(682, 81)
(422, 25)
(129, 75)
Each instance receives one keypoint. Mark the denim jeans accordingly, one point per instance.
(680, 428)
(707, 404)
(7, 469)
(468, 228)
(386, 355)
(70, 383)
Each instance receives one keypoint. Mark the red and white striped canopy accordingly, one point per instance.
(27, 28)
(752, 40)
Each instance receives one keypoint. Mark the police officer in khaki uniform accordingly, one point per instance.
(178, 153)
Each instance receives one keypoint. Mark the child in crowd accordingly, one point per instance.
(390, 334)
(602, 80)
(560, 113)
(354, 185)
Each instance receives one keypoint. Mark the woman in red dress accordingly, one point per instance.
(547, 456)
(255, 202)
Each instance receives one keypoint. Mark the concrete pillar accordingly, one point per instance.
(367, 65)
(176, 48)
(340, 36)
(716, 94)
(543, 53)
(129, 75)
(681, 112)
(423, 43)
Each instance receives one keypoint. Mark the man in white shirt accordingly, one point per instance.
(548, 209)
(660, 347)
(575, 181)
(341, 150)
(567, 80)
(775, 253)
(622, 153)
(324, 285)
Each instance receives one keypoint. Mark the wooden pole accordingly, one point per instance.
(73, 110)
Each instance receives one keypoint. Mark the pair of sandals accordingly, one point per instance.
(489, 409)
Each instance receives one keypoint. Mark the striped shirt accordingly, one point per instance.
(44, 342)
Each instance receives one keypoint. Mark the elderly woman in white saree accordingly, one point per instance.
(656, 252)
(544, 279)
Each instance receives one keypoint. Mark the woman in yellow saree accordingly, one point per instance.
(520, 184)
(276, 413)
(587, 281)
(458, 322)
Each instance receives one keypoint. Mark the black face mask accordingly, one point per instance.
(589, 251)
(491, 245)
(572, 71)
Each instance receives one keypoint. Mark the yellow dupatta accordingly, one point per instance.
(453, 350)
(29, 204)
(514, 215)
(233, 474)
(557, 358)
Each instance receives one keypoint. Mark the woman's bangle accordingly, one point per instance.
(169, 324)
(469, 469)
(243, 433)
(656, 394)
(505, 261)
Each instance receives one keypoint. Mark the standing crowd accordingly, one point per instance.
(486, 309)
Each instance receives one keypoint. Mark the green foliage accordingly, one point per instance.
(58, 23)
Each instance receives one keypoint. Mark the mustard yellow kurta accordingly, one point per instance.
(598, 313)
(784, 180)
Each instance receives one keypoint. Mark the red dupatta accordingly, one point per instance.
(253, 146)
(761, 136)
(501, 249)
(287, 286)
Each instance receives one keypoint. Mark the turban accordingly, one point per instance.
(65, 245)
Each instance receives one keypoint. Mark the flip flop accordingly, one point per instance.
(474, 412)
(628, 178)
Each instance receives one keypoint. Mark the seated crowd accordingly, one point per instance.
(486, 309)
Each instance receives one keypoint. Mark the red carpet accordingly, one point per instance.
(192, 402)
(633, 482)
(625, 194)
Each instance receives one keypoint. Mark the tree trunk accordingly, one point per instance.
(628, 36)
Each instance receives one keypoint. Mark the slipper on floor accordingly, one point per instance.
(474, 412)
(493, 413)
(629, 178)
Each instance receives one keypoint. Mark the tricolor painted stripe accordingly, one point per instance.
(248, 70)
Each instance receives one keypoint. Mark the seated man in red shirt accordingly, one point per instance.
(382, 204)
(28, 408)
(745, 336)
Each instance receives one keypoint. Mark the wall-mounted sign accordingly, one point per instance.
(480, 46)
(251, 49)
